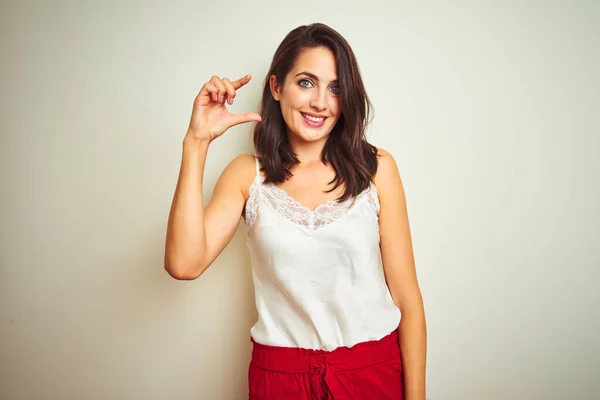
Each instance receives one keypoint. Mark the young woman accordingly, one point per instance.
(340, 309)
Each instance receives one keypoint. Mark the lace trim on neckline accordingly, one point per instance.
(287, 207)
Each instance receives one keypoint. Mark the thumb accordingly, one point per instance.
(237, 119)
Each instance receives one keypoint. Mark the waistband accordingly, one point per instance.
(299, 360)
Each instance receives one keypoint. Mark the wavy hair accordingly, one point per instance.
(353, 159)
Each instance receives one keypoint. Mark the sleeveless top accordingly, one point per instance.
(318, 274)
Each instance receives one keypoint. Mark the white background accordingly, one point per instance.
(490, 108)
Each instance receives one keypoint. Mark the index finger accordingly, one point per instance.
(241, 82)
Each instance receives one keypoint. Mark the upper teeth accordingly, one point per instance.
(313, 119)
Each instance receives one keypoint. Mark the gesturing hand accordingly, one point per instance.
(210, 117)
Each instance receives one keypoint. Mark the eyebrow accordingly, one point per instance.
(313, 76)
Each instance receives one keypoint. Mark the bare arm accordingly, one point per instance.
(401, 277)
(196, 235)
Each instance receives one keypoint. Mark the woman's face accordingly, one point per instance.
(309, 96)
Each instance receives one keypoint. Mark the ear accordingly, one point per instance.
(275, 87)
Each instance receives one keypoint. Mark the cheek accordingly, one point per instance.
(335, 107)
(297, 99)
(288, 111)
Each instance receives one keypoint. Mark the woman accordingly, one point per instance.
(328, 230)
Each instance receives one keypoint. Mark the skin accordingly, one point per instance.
(399, 267)
(310, 87)
(196, 235)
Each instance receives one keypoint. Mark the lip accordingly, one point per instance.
(314, 115)
(311, 123)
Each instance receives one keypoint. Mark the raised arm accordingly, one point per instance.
(196, 235)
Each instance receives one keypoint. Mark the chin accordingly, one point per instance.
(312, 135)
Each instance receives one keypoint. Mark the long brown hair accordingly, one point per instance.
(353, 159)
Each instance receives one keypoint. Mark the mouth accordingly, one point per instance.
(313, 121)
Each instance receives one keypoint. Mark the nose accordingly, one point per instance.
(319, 100)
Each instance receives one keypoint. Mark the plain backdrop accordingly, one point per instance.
(490, 109)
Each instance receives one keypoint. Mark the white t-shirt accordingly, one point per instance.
(318, 275)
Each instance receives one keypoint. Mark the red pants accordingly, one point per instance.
(370, 370)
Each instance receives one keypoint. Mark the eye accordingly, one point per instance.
(335, 89)
(305, 83)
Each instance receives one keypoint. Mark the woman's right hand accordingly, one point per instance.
(210, 118)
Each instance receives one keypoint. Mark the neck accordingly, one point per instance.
(307, 152)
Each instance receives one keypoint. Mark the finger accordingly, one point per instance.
(237, 119)
(209, 90)
(241, 82)
(220, 88)
(215, 94)
(230, 90)
(222, 91)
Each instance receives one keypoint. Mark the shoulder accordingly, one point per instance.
(387, 178)
(387, 167)
(242, 164)
(242, 171)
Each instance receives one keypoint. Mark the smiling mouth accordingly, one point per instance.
(313, 119)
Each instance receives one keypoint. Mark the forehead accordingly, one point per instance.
(319, 61)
